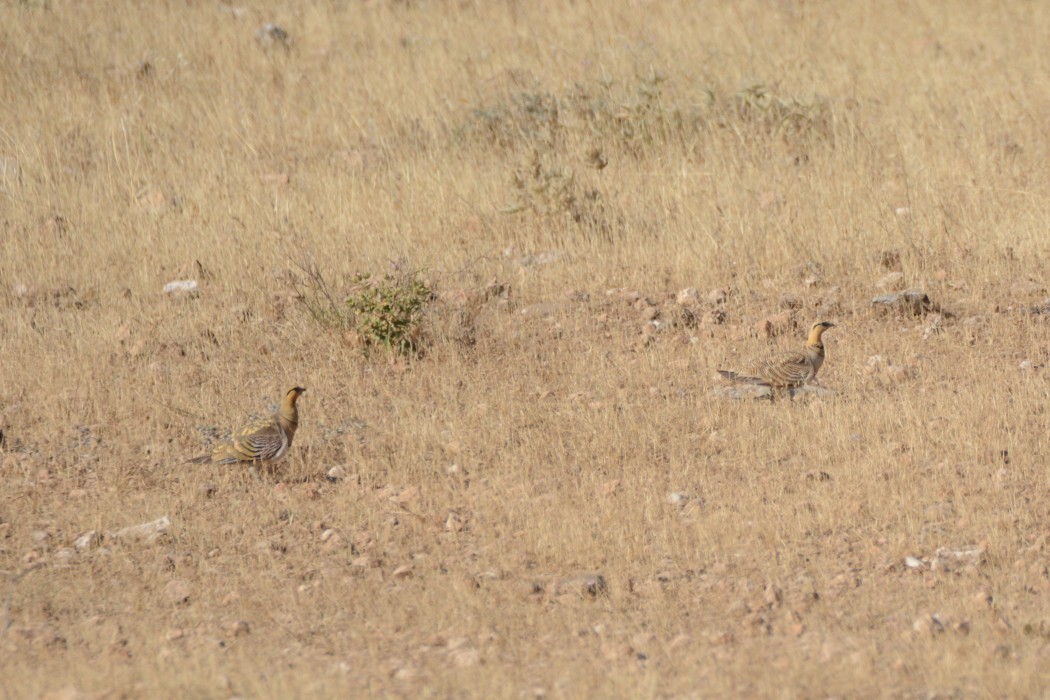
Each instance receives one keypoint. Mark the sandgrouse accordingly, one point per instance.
(788, 370)
(264, 441)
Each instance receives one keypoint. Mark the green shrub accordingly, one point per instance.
(388, 312)
(385, 311)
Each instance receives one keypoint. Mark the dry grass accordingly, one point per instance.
(790, 153)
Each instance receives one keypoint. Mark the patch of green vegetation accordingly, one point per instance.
(375, 312)
(388, 311)
(639, 117)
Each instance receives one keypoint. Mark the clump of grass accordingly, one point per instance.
(388, 311)
(790, 118)
(545, 187)
(640, 118)
(375, 311)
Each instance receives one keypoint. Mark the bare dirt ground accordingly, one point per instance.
(548, 493)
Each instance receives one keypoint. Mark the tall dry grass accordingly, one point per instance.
(556, 173)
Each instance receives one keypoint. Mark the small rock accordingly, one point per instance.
(147, 532)
(913, 563)
(40, 536)
(238, 628)
(182, 288)
(1026, 366)
(453, 522)
(177, 592)
(336, 474)
(271, 35)
(948, 560)
(678, 499)
(688, 297)
(86, 541)
(912, 301)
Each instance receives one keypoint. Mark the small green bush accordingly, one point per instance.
(385, 311)
(388, 312)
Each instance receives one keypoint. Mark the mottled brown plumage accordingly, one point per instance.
(265, 440)
(788, 370)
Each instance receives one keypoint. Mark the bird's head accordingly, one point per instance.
(817, 330)
(288, 411)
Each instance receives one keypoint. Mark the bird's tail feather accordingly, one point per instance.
(740, 378)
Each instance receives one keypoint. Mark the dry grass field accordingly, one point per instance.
(547, 493)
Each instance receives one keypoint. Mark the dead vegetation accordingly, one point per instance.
(505, 248)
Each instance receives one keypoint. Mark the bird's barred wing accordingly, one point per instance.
(787, 369)
(259, 441)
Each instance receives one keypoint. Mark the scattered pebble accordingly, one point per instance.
(948, 560)
(913, 301)
(271, 35)
(148, 532)
(238, 628)
(177, 592)
(182, 288)
(86, 541)
(453, 522)
(688, 297)
(678, 498)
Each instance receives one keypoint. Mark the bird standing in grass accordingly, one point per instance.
(788, 370)
(264, 441)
